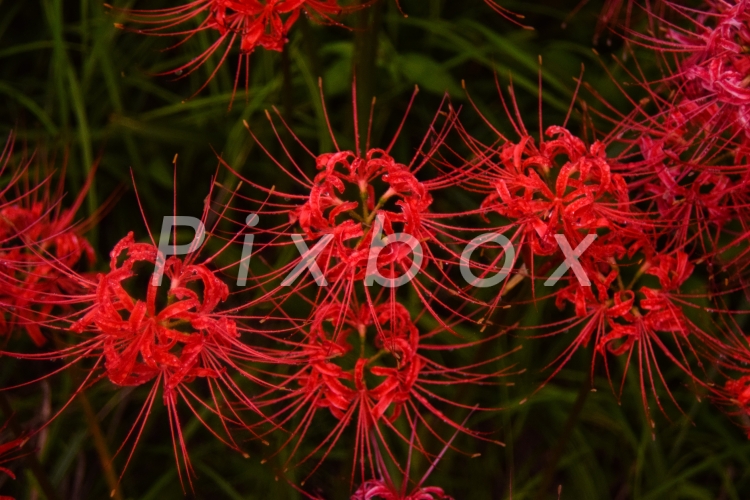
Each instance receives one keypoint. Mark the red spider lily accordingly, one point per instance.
(251, 23)
(355, 199)
(693, 198)
(9, 451)
(648, 323)
(715, 68)
(141, 343)
(696, 201)
(317, 216)
(138, 342)
(187, 339)
(586, 194)
(708, 83)
(686, 166)
(386, 489)
(660, 311)
(563, 187)
(739, 392)
(559, 187)
(711, 96)
(37, 237)
(734, 396)
(371, 366)
(379, 489)
(169, 338)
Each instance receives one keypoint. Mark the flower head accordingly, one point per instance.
(39, 241)
(248, 24)
(637, 247)
(371, 366)
(9, 451)
(362, 217)
(141, 342)
(133, 330)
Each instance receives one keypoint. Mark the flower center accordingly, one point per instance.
(355, 353)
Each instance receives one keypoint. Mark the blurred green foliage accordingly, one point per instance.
(75, 86)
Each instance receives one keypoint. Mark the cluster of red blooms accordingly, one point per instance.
(39, 242)
(247, 23)
(9, 451)
(716, 74)
(653, 239)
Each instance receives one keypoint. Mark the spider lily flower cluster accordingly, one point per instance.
(371, 256)
(40, 242)
(246, 24)
(355, 307)
(10, 450)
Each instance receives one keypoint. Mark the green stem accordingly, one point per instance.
(554, 458)
(100, 443)
(365, 62)
(287, 101)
